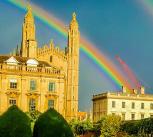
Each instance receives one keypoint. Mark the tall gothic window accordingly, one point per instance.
(13, 83)
(51, 87)
(32, 85)
(51, 58)
(32, 104)
(50, 103)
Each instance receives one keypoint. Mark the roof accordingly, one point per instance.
(121, 95)
(23, 60)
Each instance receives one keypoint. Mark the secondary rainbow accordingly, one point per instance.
(87, 47)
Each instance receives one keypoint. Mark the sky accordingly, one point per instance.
(115, 27)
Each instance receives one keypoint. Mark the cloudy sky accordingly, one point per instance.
(115, 27)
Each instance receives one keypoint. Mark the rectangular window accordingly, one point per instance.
(123, 116)
(142, 116)
(113, 113)
(151, 106)
(32, 105)
(12, 102)
(50, 104)
(13, 83)
(51, 86)
(142, 105)
(123, 104)
(32, 85)
(151, 115)
(133, 105)
(113, 104)
(132, 116)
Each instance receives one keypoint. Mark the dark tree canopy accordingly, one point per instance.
(52, 124)
(15, 123)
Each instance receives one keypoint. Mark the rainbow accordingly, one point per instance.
(86, 47)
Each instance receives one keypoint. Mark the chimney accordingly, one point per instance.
(123, 89)
(135, 91)
(142, 90)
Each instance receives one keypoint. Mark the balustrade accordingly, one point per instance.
(28, 69)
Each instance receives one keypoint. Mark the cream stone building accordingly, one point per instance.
(36, 78)
(128, 106)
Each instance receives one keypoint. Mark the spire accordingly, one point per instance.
(29, 16)
(74, 20)
(74, 16)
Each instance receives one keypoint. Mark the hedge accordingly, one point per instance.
(52, 124)
(15, 123)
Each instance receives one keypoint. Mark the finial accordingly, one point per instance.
(28, 5)
(51, 43)
(74, 16)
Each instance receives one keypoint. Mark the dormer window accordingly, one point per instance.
(32, 63)
(12, 61)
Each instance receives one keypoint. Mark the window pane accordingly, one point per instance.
(113, 104)
(50, 104)
(12, 102)
(123, 104)
(142, 105)
(32, 85)
(151, 106)
(142, 116)
(13, 83)
(51, 86)
(123, 116)
(32, 104)
(133, 105)
(132, 116)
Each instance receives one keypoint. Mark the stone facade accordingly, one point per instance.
(39, 78)
(128, 106)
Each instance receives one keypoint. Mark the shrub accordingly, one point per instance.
(81, 127)
(15, 123)
(110, 125)
(131, 127)
(51, 124)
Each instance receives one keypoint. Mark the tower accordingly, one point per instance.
(73, 69)
(29, 43)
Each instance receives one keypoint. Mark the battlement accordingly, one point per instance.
(51, 49)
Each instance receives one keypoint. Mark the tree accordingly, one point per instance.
(33, 115)
(110, 125)
(131, 127)
(81, 127)
(52, 124)
(15, 123)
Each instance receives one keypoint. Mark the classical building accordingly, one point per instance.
(128, 106)
(36, 78)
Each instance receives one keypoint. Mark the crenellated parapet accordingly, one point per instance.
(51, 50)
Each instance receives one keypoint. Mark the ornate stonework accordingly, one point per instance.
(39, 78)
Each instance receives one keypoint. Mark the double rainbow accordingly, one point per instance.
(86, 47)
